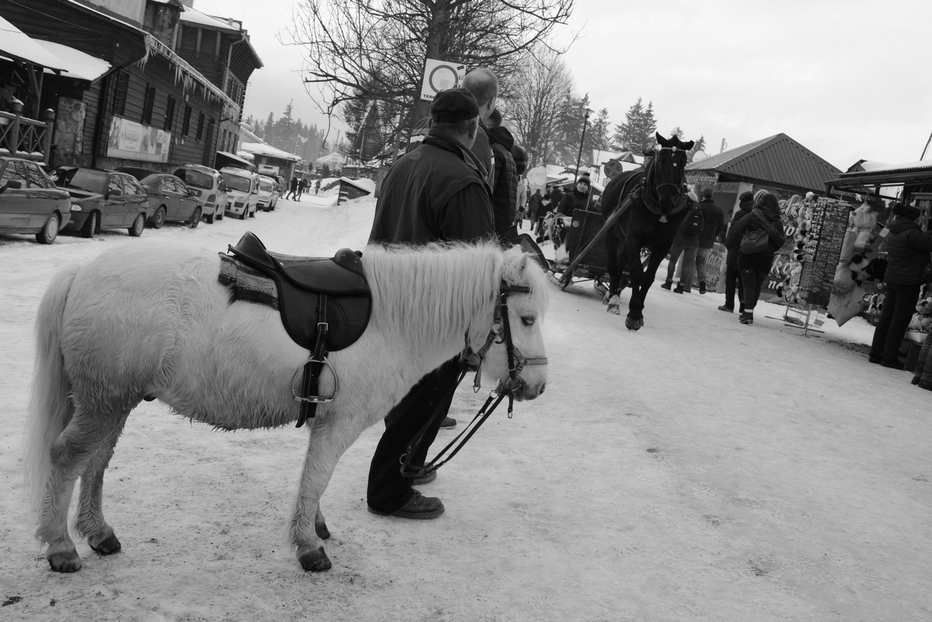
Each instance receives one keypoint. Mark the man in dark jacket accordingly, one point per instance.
(732, 276)
(505, 189)
(577, 199)
(435, 193)
(908, 248)
(686, 243)
(713, 230)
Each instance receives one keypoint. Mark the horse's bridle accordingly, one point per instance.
(499, 332)
(650, 200)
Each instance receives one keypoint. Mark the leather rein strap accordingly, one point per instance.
(501, 330)
(649, 189)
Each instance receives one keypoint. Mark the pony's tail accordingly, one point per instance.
(50, 409)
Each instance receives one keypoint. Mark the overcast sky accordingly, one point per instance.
(848, 79)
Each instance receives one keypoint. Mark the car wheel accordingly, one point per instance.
(138, 225)
(210, 219)
(244, 214)
(195, 218)
(90, 225)
(49, 231)
(158, 218)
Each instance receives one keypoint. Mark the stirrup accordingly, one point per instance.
(314, 399)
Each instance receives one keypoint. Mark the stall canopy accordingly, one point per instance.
(18, 46)
(884, 180)
(777, 161)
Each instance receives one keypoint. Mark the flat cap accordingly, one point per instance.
(454, 105)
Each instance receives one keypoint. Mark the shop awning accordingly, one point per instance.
(230, 156)
(15, 44)
(77, 64)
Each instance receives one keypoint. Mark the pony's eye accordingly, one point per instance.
(528, 320)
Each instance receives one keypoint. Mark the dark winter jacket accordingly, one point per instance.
(434, 193)
(713, 223)
(683, 239)
(481, 148)
(505, 190)
(556, 196)
(750, 222)
(731, 258)
(534, 207)
(908, 248)
(573, 201)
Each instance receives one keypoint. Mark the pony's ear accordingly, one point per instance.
(663, 142)
(689, 145)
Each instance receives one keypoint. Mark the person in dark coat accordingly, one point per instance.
(577, 199)
(293, 188)
(908, 248)
(713, 230)
(685, 244)
(732, 276)
(754, 268)
(534, 207)
(436, 193)
(505, 190)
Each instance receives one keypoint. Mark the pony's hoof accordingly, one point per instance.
(632, 324)
(67, 561)
(108, 546)
(315, 560)
(322, 532)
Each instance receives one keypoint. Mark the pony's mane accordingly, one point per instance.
(436, 291)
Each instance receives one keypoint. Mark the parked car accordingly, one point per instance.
(266, 193)
(103, 200)
(242, 191)
(30, 202)
(169, 198)
(208, 184)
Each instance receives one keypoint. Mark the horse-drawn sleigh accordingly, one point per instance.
(641, 213)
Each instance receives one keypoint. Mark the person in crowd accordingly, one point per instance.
(293, 188)
(303, 186)
(534, 207)
(685, 246)
(754, 267)
(577, 199)
(545, 207)
(908, 248)
(505, 187)
(521, 212)
(713, 230)
(732, 276)
(556, 198)
(317, 186)
(923, 372)
(436, 193)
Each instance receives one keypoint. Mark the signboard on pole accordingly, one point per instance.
(440, 75)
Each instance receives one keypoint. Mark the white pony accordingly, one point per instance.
(152, 319)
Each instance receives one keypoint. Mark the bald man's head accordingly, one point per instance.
(483, 84)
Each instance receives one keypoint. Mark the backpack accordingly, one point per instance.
(693, 223)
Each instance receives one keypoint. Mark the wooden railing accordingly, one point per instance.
(26, 138)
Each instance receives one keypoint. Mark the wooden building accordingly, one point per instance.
(154, 107)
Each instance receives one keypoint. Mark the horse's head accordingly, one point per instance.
(668, 172)
(515, 357)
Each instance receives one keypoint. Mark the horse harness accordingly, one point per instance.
(643, 191)
(324, 303)
(500, 332)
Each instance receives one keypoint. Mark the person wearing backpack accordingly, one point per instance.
(763, 226)
(686, 243)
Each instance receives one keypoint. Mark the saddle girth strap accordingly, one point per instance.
(314, 366)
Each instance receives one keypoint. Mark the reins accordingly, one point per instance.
(647, 186)
(500, 331)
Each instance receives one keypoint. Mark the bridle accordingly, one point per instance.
(651, 191)
(499, 332)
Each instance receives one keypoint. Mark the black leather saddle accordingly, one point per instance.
(312, 290)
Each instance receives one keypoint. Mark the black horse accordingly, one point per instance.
(652, 202)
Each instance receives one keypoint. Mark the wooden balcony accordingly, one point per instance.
(27, 138)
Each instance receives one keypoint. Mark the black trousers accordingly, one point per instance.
(388, 490)
(754, 270)
(899, 304)
(733, 281)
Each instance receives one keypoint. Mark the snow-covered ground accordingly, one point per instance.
(695, 469)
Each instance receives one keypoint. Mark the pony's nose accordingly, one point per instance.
(542, 387)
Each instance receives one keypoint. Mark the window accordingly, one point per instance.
(34, 175)
(119, 93)
(169, 114)
(186, 124)
(131, 186)
(148, 105)
(200, 125)
(114, 186)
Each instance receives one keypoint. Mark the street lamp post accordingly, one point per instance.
(581, 141)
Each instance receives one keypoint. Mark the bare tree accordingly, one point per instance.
(535, 104)
(375, 50)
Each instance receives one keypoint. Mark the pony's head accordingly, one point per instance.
(668, 172)
(514, 353)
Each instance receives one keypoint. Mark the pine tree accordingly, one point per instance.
(637, 132)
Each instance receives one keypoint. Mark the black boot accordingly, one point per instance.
(667, 284)
(746, 317)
